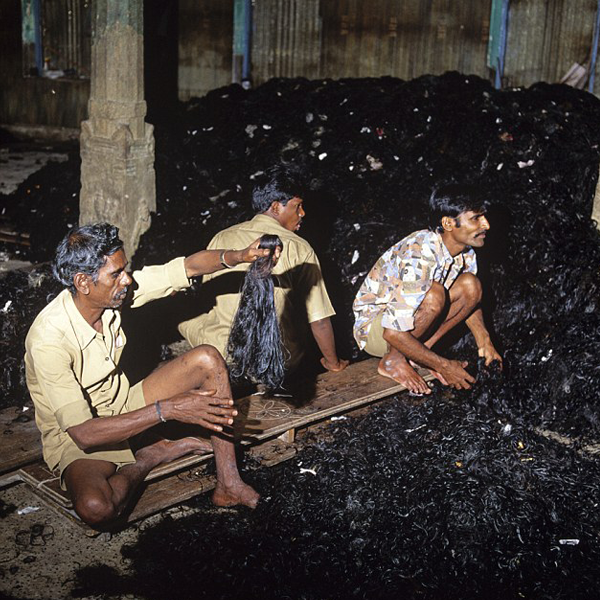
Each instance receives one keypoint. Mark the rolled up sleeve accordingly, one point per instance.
(159, 281)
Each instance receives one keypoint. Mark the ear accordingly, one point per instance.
(275, 207)
(447, 223)
(82, 283)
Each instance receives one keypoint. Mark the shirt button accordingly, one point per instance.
(107, 358)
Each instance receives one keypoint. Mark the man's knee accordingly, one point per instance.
(435, 299)
(206, 357)
(469, 288)
(95, 509)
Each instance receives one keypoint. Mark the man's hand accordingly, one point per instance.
(252, 252)
(488, 352)
(454, 373)
(200, 407)
(335, 367)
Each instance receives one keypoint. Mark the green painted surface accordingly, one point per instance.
(28, 22)
(494, 41)
(239, 33)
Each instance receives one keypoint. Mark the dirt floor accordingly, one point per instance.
(41, 550)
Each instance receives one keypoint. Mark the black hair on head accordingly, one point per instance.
(255, 350)
(84, 250)
(278, 184)
(452, 199)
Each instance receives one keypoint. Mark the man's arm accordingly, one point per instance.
(453, 371)
(209, 261)
(195, 407)
(482, 338)
(322, 331)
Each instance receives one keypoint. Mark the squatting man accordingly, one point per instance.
(84, 405)
(424, 286)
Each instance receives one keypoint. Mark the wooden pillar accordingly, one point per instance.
(117, 145)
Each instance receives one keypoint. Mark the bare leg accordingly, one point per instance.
(100, 493)
(465, 295)
(394, 364)
(204, 368)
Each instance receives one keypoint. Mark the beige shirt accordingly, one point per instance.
(72, 370)
(300, 294)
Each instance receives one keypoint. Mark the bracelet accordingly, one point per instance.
(222, 260)
(159, 412)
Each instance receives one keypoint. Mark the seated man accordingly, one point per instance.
(300, 293)
(421, 288)
(84, 406)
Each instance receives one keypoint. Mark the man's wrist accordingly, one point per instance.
(483, 341)
(226, 260)
(159, 412)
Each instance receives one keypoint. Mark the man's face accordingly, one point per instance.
(472, 230)
(291, 214)
(110, 289)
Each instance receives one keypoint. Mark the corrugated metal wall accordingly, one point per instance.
(205, 46)
(34, 100)
(404, 38)
(324, 38)
(355, 38)
(545, 37)
(409, 38)
(286, 39)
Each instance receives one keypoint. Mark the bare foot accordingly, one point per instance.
(165, 451)
(240, 493)
(397, 368)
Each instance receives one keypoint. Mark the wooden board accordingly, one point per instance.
(331, 394)
(260, 418)
(20, 442)
(593, 449)
(267, 424)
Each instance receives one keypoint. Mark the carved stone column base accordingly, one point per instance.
(118, 181)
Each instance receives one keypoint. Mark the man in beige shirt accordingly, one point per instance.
(84, 406)
(300, 294)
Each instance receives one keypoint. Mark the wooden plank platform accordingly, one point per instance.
(593, 449)
(20, 442)
(331, 394)
(267, 426)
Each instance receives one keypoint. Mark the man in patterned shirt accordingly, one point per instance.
(421, 288)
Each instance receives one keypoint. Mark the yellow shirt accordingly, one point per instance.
(300, 294)
(72, 370)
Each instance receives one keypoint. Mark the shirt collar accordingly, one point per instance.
(83, 331)
(447, 256)
(273, 223)
(446, 253)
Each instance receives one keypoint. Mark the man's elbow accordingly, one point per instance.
(79, 438)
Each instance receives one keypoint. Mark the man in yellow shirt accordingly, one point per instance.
(84, 406)
(300, 294)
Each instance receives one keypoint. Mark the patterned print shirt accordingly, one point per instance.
(398, 282)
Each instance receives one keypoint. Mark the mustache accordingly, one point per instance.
(122, 294)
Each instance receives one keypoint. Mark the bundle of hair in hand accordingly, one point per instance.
(255, 350)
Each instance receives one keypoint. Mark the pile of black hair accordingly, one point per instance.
(371, 151)
(438, 500)
(462, 496)
(255, 349)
